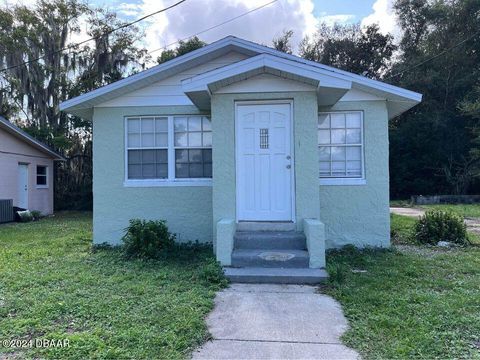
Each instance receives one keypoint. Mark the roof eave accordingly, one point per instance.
(80, 105)
(19, 133)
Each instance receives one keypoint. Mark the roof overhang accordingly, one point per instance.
(22, 135)
(329, 88)
(398, 99)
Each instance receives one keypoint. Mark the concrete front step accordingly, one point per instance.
(270, 240)
(270, 258)
(265, 226)
(275, 275)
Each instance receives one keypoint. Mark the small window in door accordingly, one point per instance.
(42, 176)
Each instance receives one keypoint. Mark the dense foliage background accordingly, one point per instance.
(434, 148)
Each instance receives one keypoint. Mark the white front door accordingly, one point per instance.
(264, 162)
(22, 186)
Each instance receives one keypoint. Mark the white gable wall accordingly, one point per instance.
(169, 91)
(265, 83)
(359, 95)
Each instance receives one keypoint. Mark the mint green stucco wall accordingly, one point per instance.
(305, 115)
(359, 214)
(356, 215)
(188, 210)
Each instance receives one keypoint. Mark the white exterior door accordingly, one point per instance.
(23, 186)
(264, 162)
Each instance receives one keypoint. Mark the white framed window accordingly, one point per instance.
(147, 147)
(168, 150)
(193, 147)
(340, 147)
(42, 176)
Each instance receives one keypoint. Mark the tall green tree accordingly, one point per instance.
(283, 42)
(184, 47)
(350, 47)
(31, 92)
(431, 146)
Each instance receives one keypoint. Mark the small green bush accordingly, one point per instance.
(437, 225)
(212, 273)
(337, 273)
(147, 239)
(37, 215)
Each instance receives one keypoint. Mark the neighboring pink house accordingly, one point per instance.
(26, 169)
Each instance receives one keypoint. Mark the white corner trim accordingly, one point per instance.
(167, 183)
(342, 181)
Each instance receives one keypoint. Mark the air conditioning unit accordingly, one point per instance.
(6, 210)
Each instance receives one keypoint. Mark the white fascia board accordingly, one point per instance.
(265, 61)
(233, 43)
(362, 80)
(68, 104)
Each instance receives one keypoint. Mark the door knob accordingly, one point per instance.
(289, 166)
(288, 157)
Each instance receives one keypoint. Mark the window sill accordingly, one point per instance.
(42, 186)
(167, 183)
(343, 181)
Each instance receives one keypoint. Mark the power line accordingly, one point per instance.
(433, 57)
(71, 46)
(213, 27)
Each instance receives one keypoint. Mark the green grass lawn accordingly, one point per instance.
(401, 228)
(412, 302)
(53, 286)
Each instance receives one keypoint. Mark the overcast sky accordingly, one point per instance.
(192, 16)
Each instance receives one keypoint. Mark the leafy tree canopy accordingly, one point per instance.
(434, 146)
(352, 48)
(32, 92)
(182, 48)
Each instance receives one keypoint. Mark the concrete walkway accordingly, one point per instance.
(253, 321)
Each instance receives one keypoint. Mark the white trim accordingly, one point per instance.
(231, 43)
(342, 181)
(76, 101)
(292, 151)
(359, 79)
(325, 78)
(227, 44)
(171, 180)
(347, 180)
(167, 183)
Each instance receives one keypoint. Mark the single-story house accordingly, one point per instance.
(247, 147)
(26, 169)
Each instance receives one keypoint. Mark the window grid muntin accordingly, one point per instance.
(42, 175)
(142, 150)
(204, 147)
(345, 174)
(170, 148)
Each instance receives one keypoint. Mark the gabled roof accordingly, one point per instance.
(329, 88)
(398, 99)
(19, 133)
